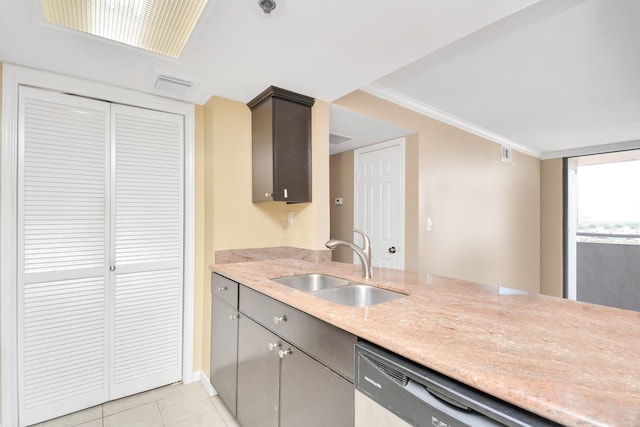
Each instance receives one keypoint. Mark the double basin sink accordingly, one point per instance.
(339, 291)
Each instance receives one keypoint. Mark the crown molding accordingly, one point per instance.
(430, 111)
(594, 149)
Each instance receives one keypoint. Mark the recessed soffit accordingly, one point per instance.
(160, 26)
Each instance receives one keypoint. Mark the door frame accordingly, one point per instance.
(14, 76)
(357, 153)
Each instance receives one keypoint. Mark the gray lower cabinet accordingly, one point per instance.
(280, 385)
(311, 395)
(224, 339)
(273, 365)
(258, 375)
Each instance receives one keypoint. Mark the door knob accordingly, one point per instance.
(392, 250)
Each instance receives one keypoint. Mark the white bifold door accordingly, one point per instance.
(100, 252)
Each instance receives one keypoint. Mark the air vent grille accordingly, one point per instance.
(393, 374)
(172, 85)
(337, 139)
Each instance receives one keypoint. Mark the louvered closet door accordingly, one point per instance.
(63, 254)
(147, 249)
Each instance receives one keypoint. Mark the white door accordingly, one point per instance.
(63, 254)
(379, 197)
(147, 249)
(99, 252)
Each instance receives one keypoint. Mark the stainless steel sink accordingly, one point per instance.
(339, 291)
(356, 295)
(311, 282)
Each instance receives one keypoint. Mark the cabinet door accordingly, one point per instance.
(313, 395)
(291, 151)
(262, 152)
(224, 352)
(258, 375)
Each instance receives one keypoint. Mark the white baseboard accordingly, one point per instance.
(204, 381)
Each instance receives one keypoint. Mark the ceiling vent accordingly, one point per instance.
(338, 139)
(172, 86)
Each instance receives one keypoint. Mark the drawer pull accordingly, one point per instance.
(283, 353)
(280, 319)
(273, 345)
(222, 288)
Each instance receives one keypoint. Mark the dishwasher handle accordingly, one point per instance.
(446, 399)
(448, 406)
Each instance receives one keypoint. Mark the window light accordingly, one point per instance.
(161, 26)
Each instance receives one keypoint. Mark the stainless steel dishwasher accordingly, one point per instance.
(393, 391)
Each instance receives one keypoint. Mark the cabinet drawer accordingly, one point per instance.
(225, 289)
(329, 344)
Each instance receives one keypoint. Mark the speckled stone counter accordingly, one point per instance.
(574, 363)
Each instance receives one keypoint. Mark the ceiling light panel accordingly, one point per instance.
(161, 26)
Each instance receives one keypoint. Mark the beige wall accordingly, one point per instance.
(486, 213)
(237, 221)
(228, 217)
(341, 185)
(551, 227)
(342, 182)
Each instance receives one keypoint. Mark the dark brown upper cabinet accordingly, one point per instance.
(281, 133)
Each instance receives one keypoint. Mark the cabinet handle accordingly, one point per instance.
(273, 345)
(267, 195)
(283, 353)
(280, 319)
(222, 288)
(112, 268)
(286, 194)
(233, 317)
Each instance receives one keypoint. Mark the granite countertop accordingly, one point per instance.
(575, 363)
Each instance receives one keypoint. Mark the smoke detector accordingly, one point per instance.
(268, 8)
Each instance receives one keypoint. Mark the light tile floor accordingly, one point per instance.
(175, 405)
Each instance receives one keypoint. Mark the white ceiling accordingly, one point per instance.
(560, 75)
(543, 75)
(358, 130)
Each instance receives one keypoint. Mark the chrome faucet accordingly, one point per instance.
(363, 253)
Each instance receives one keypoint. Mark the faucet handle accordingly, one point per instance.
(366, 244)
